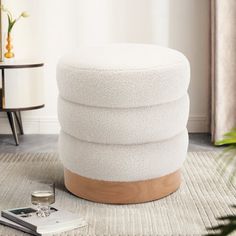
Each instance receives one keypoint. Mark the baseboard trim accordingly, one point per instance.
(33, 125)
(198, 124)
(50, 125)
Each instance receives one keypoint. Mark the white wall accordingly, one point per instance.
(48, 34)
(189, 32)
(56, 27)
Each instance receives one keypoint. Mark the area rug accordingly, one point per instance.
(203, 196)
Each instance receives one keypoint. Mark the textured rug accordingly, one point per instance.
(204, 195)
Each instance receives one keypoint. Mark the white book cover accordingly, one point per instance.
(58, 221)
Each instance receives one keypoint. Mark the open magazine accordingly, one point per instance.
(25, 219)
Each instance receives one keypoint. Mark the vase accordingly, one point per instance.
(9, 54)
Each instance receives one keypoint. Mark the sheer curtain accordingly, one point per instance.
(223, 67)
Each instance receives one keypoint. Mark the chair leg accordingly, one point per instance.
(19, 121)
(12, 122)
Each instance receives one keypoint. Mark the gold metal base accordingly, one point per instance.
(121, 192)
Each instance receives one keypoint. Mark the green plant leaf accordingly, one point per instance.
(228, 157)
(11, 26)
(231, 140)
(10, 23)
(224, 229)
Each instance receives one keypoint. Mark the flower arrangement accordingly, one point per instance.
(11, 22)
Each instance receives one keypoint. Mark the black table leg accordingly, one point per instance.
(19, 121)
(11, 118)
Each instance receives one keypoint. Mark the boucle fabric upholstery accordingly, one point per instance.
(123, 110)
(123, 162)
(124, 126)
(123, 76)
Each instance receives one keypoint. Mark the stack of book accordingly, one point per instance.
(26, 220)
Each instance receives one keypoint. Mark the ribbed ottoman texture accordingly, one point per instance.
(123, 110)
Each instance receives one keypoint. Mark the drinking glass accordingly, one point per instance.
(43, 196)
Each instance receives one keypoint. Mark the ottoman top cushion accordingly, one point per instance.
(123, 75)
(124, 57)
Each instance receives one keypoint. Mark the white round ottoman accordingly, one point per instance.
(123, 110)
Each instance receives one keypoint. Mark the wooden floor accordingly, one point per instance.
(48, 143)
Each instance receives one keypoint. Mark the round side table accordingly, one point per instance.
(21, 89)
